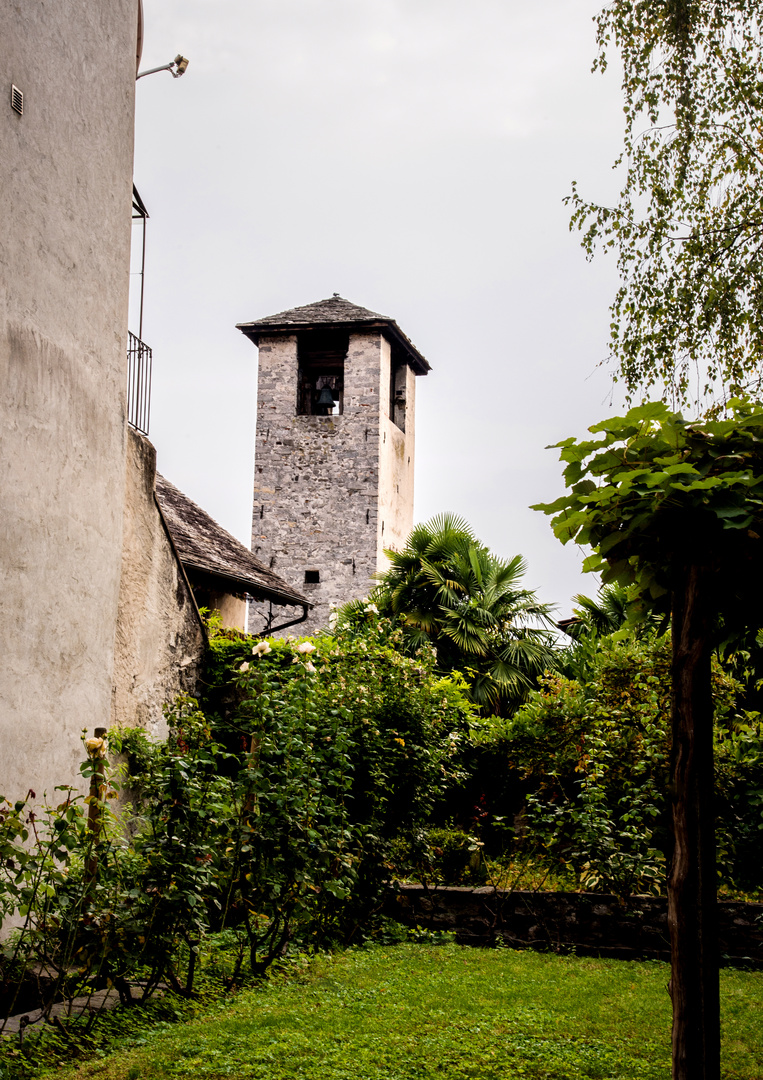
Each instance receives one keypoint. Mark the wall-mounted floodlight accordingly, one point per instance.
(176, 68)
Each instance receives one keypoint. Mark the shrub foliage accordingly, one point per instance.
(268, 811)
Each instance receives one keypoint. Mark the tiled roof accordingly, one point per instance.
(204, 545)
(336, 312)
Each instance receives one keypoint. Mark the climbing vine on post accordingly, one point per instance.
(674, 510)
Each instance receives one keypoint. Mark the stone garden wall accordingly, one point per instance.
(589, 923)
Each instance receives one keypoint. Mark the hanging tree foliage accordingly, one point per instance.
(688, 225)
(655, 490)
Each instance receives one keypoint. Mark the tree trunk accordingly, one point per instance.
(692, 887)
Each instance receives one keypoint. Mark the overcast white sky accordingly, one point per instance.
(411, 155)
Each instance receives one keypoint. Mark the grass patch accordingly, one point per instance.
(416, 1011)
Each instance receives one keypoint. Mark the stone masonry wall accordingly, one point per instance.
(317, 477)
(159, 643)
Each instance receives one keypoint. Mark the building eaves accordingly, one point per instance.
(340, 314)
(205, 546)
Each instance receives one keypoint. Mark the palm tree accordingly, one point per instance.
(610, 611)
(447, 588)
(412, 586)
(602, 616)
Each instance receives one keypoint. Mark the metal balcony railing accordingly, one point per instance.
(139, 362)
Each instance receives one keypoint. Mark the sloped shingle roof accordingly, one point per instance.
(204, 545)
(336, 312)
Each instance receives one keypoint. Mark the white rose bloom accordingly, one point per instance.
(310, 668)
(261, 649)
(305, 647)
(244, 666)
(372, 609)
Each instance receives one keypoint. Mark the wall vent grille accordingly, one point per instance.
(17, 100)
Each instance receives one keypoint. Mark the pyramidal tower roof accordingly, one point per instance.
(340, 314)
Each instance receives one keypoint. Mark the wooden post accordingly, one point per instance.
(692, 885)
(97, 781)
(250, 803)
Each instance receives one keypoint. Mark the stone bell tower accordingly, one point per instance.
(334, 453)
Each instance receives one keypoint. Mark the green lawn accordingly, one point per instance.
(416, 1011)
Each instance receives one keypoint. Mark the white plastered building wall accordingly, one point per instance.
(66, 178)
(396, 465)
